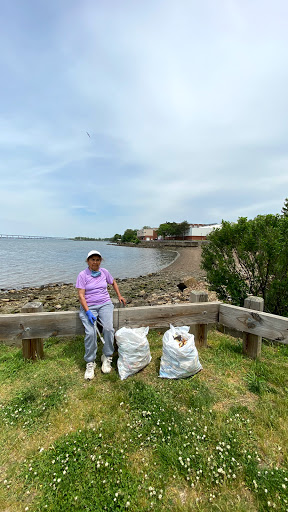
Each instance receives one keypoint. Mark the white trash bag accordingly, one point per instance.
(180, 356)
(133, 350)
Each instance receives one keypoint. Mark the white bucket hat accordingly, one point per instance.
(91, 253)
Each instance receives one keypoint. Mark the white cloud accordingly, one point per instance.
(185, 105)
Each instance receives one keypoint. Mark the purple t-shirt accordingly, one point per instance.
(95, 287)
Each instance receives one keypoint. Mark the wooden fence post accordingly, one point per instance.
(32, 348)
(200, 329)
(251, 342)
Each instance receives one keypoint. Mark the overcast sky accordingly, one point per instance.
(185, 103)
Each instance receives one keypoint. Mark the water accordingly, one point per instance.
(25, 263)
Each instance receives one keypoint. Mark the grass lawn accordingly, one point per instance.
(215, 442)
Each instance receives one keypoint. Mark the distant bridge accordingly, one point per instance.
(34, 237)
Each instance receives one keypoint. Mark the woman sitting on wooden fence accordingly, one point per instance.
(96, 305)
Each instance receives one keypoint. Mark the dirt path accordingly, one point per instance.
(187, 264)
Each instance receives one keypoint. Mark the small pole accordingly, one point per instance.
(200, 329)
(251, 342)
(33, 348)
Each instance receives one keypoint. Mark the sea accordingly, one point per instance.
(36, 262)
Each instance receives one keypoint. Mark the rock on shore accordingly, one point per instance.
(152, 289)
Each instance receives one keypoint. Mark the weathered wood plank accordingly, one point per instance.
(68, 323)
(200, 330)
(266, 325)
(252, 343)
(163, 316)
(41, 325)
(32, 348)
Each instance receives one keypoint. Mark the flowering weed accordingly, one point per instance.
(32, 404)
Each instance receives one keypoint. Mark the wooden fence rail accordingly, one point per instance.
(31, 326)
(67, 323)
(272, 327)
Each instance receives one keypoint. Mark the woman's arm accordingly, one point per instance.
(81, 295)
(121, 299)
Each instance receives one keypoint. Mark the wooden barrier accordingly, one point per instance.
(200, 329)
(31, 326)
(32, 348)
(269, 326)
(67, 323)
(252, 343)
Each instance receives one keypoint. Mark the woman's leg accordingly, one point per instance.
(90, 340)
(105, 313)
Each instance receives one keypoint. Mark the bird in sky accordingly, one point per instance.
(88, 135)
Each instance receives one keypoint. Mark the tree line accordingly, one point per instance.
(167, 229)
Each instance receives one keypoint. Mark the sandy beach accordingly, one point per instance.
(157, 288)
(187, 264)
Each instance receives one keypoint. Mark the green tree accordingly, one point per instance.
(130, 236)
(183, 228)
(116, 237)
(284, 210)
(163, 229)
(173, 229)
(250, 257)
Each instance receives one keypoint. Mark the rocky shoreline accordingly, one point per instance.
(152, 289)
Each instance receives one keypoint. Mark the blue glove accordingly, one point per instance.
(91, 317)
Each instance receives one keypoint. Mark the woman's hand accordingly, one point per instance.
(122, 300)
(91, 317)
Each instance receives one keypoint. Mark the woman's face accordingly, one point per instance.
(94, 262)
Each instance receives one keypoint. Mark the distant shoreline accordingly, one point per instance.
(159, 287)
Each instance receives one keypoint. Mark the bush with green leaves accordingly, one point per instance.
(250, 257)
(130, 235)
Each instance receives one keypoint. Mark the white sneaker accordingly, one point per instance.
(89, 374)
(106, 364)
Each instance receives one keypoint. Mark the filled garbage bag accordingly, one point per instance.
(133, 350)
(180, 356)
